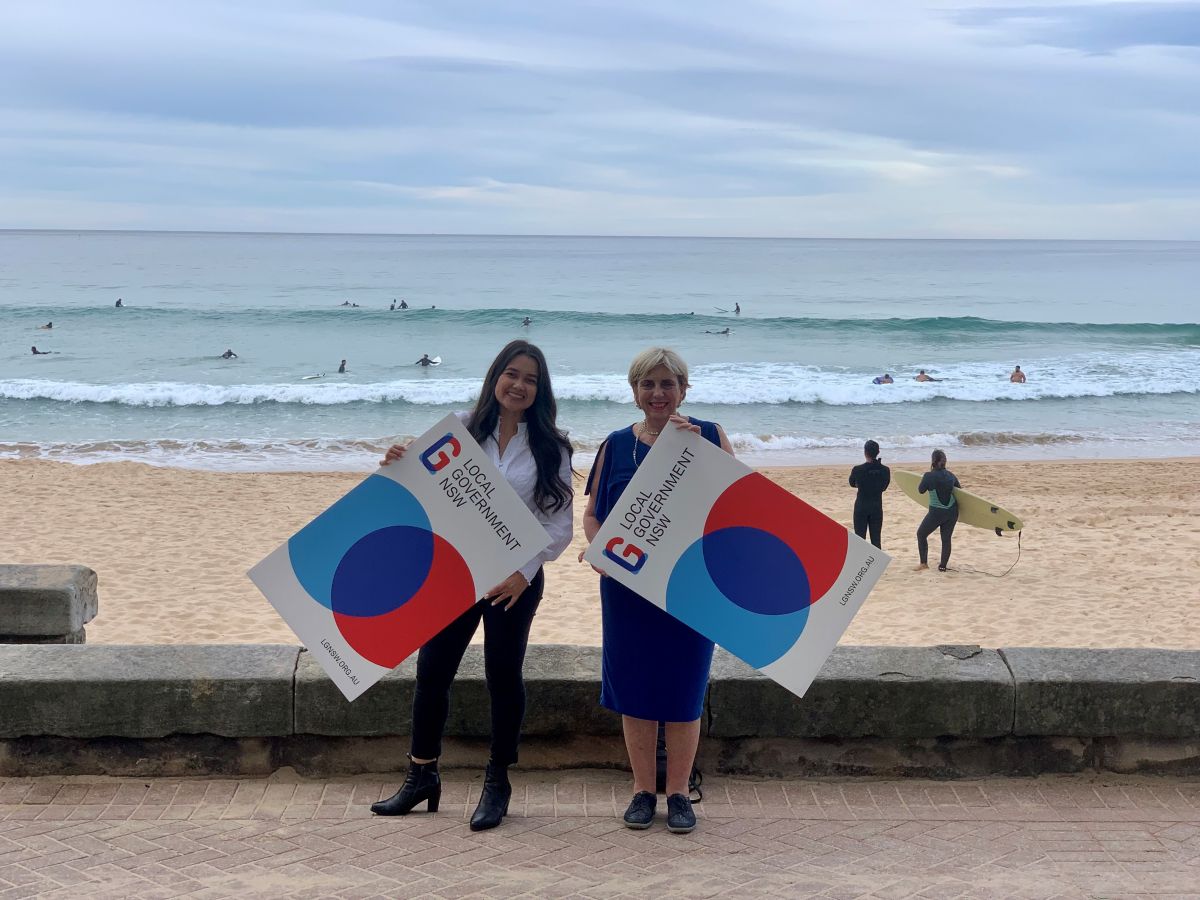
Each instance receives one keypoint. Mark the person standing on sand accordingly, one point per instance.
(514, 421)
(872, 479)
(939, 482)
(1017, 376)
(653, 667)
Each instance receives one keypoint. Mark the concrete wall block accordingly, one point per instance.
(98, 690)
(895, 692)
(561, 688)
(1106, 692)
(46, 600)
(74, 637)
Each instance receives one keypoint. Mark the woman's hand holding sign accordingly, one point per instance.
(394, 452)
(509, 589)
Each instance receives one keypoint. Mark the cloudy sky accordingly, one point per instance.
(821, 118)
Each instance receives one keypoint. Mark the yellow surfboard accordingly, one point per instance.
(972, 509)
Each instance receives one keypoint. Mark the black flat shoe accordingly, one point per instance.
(493, 804)
(681, 818)
(422, 783)
(640, 813)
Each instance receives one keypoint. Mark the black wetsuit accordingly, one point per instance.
(943, 513)
(872, 479)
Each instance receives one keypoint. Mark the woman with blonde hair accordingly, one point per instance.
(654, 668)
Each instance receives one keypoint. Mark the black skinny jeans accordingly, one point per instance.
(870, 517)
(505, 637)
(945, 519)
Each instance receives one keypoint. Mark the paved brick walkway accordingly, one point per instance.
(1051, 837)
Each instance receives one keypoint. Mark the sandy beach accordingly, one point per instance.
(1110, 553)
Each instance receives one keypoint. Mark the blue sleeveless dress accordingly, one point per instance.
(653, 666)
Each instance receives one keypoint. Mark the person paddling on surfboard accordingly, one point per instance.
(939, 482)
(921, 376)
(872, 479)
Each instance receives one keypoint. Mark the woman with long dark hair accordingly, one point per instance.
(514, 421)
(939, 482)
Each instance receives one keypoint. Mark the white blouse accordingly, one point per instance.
(520, 470)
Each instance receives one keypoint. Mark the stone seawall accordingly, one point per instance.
(949, 711)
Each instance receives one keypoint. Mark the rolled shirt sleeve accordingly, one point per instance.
(559, 525)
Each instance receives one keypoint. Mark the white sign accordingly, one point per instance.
(400, 557)
(736, 557)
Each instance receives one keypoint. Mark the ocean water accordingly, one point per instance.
(1108, 332)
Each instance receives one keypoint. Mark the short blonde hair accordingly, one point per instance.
(649, 360)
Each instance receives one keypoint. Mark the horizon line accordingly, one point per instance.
(573, 236)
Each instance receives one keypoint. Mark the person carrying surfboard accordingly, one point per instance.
(939, 482)
(872, 479)
(425, 361)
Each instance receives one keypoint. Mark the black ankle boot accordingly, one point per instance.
(493, 805)
(420, 784)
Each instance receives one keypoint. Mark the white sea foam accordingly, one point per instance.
(721, 385)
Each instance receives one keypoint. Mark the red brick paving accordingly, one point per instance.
(1062, 837)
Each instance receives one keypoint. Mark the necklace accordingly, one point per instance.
(636, 441)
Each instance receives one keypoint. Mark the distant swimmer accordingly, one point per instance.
(527, 322)
(37, 352)
(737, 309)
(393, 304)
(344, 303)
(403, 304)
(120, 303)
(1017, 376)
(885, 378)
(425, 361)
(342, 368)
(46, 327)
(229, 354)
(723, 331)
(921, 376)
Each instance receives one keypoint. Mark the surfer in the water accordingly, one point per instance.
(47, 327)
(120, 303)
(723, 331)
(872, 479)
(939, 482)
(737, 309)
(342, 368)
(527, 322)
(882, 379)
(229, 354)
(1017, 376)
(425, 361)
(921, 376)
(37, 352)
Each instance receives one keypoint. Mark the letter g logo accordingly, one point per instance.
(435, 458)
(632, 558)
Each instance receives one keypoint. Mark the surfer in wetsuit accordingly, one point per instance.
(229, 354)
(37, 352)
(120, 303)
(723, 331)
(939, 482)
(404, 304)
(872, 479)
(527, 322)
(342, 368)
(424, 361)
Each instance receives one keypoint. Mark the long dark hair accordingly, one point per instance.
(937, 460)
(546, 439)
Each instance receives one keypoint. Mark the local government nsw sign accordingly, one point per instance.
(736, 557)
(400, 557)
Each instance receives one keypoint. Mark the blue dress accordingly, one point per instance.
(653, 666)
